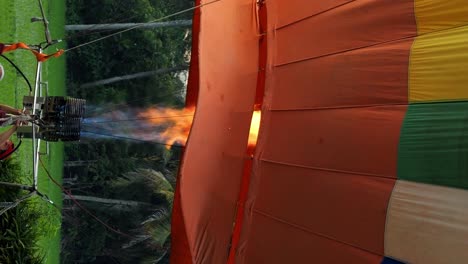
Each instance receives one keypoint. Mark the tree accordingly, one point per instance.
(119, 26)
(132, 76)
(115, 175)
(146, 217)
(133, 51)
(115, 202)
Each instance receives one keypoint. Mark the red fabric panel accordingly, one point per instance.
(244, 190)
(327, 174)
(194, 73)
(371, 76)
(357, 140)
(276, 243)
(180, 249)
(321, 178)
(262, 56)
(246, 174)
(349, 208)
(214, 156)
(326, 159)
(304, 9)
(351, 26)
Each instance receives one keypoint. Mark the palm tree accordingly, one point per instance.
(156, 227)
(150, 236)
(139, 204)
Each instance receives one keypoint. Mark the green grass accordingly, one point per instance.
(15, 26)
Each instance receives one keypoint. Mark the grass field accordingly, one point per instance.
(15, 26)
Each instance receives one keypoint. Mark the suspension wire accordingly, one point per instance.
(137, 119)
(93, 30)
(147, 98)
(18, 70)
(96, 28)
(142, 24)
(29, 195)
(67, 192)
(17, 202)
(79, 204)
(144, 99)
(130, 138)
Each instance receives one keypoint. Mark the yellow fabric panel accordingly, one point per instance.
(427, 224)
(433, 15)
(439, 66)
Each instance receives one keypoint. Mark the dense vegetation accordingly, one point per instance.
(127, 184)
(127, 53)
(19, 227)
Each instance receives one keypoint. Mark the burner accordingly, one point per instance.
(59, 118)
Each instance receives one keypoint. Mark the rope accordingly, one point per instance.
(134, 139)
(67, 192)
(142, 24)
(136, 119)
(139, 99)
(18, 70)
(14, 204)
(96, 29)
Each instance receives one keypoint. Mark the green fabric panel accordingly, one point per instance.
(434, 144)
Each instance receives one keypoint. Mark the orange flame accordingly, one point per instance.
(177, 123)
(254, 127)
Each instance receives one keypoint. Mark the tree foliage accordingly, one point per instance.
(148, 227)
(119, 169)
(131, 52)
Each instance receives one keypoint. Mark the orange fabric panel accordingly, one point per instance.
(247, 170)
(274, 242)
(304, 9)
(263, 53)
(239, 222)
(214, 157)
(322, 178)
(356, 140)
(194, 73)
(322, 182)
(294, 213)
(370, 76)
(180, 249)
(351, 26)
(349, 208)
